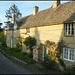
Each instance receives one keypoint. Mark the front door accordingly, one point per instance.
(44, 52)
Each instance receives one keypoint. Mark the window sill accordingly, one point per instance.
(68, 35)
(68, 60)
(27, 33)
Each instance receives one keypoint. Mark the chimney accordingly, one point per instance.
(13, 18)
(35, 10)
(56, 3)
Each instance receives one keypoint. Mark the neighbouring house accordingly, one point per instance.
(55, 24)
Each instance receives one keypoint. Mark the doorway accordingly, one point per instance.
(44, 52)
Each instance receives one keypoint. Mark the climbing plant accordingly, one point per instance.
(19, 42)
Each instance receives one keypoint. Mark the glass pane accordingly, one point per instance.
(72, 29)
(28, 31)
(69, 29)
(65, 28)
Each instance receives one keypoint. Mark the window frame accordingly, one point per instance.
(68, 56)
(28, 32)
(69, 29)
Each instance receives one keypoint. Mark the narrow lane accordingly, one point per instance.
(9, 67)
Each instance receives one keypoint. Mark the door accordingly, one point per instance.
(44, 52)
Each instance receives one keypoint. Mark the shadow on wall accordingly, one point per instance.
(39, 44)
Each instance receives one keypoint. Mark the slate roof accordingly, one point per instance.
(51, 16)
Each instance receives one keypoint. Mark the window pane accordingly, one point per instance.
(71, 55)
(28, 31)
(69, 29)
(65, 28)
(66, 53)
(72, 29)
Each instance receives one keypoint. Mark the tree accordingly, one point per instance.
(13, 10)
(0, 25)
(30, 42)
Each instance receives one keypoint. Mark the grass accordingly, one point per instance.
(16, 53)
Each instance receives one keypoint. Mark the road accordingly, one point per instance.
(9, 67)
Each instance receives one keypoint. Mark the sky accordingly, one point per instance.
(25, 7)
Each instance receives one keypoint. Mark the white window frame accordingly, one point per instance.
(67, 29)
(68, 59)
(28, 30)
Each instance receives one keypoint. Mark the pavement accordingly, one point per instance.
(34, 68)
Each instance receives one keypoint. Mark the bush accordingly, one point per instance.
(51, 64)
(28, 54)
(22, 56)
(30, 42)
(69, 70)
(19, 42)
(2, 39)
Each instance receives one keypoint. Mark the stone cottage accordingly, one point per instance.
(55, 24)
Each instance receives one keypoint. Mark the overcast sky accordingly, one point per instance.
(25, 7)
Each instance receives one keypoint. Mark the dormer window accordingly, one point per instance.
(28, 30)
(69, 29)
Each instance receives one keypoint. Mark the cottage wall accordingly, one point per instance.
(53, 33)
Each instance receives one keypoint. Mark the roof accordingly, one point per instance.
(63, 13)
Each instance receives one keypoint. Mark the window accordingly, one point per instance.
(69, 28)
(14, 41)
(15, 30)
(28, 30)
(68, 54)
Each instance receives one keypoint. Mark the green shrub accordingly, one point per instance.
(69, 70)
(22, 56)
(30, 42)
(2, 39)
(19, 42)
(28, 54)
(51, 64)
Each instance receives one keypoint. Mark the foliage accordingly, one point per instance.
(28, 54)
(13, 10)
(69, 70)
(54, 53)
(30, 42)
(51, 47)
(60, 46)
(0, 25)
(2, 39)
(24, 57)
(19, 42)
(50, 63)
(3, 47)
